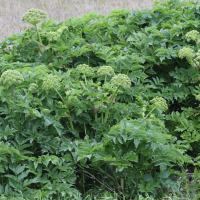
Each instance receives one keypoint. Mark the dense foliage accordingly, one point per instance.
(101, 108)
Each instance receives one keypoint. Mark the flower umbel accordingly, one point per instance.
(50, 82)
(121, 80)
(160, 103)
(53, 35)
(32, 87)
(86, 70)
(197, 97)
(11, 77)
(187, 53)
(105, 71)
(34, 16)
(192, 35)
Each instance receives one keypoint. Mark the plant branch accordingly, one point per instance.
(39, 38)
(113, 96)
(92, 176)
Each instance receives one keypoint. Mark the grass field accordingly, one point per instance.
(11, 11)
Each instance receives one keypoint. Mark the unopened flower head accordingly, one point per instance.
(187, 53)
(121, 80)
(67, 87)
(85, 69)
(34, 16)
(160, 103)
(50, 82)
(105, 71)
(32, 87)
(197, 97)
(11, 77)
(192, 35)
(53, 35)
(61, 29)
(75, 74)
(46, 111)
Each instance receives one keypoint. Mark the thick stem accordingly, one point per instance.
(39, 38)
(122, 184)
(85, 79)
(113, 96)
(105, 77)
(71, 124)
(196, 64)
(85, 130)
(70, 120)
(59, 95)
(13, 92)
(95, 115)
(150, 112)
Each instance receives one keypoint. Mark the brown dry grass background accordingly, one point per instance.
(11, 11)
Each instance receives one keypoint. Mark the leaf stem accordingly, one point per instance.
(150, 112)
(113, 96)
(39, 38)
(59, 95)
(70, 120)
(85, 79)
(95, 115)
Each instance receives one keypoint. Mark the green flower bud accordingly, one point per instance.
(32, 86)
(50, 82)
(53, 35)
(192, 35)
(57, 139)
(197, 97)
(160, 103)
(60, 104)
(75, 74)
(46, 111)
(35, 113)
(34, 16)
(11, 77)
(105, 71)
(67, 87)
(86, 70)
(121, 80)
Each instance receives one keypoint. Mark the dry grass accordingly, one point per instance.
(11, 11)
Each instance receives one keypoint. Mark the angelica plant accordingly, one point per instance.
(34, 17)
(85, 70)
(120, 80)
(105, 71)
(52, 82)
(54, 35)
(193, 35)
(188, 53)
(10, 78)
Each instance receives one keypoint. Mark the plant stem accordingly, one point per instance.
(85, 130)
(122, 184)
(95, 115)
(150, 112)
(59, 95)
(113, 96)
(13, 93)
(70, 120)
(70, 123)
(39, 38)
